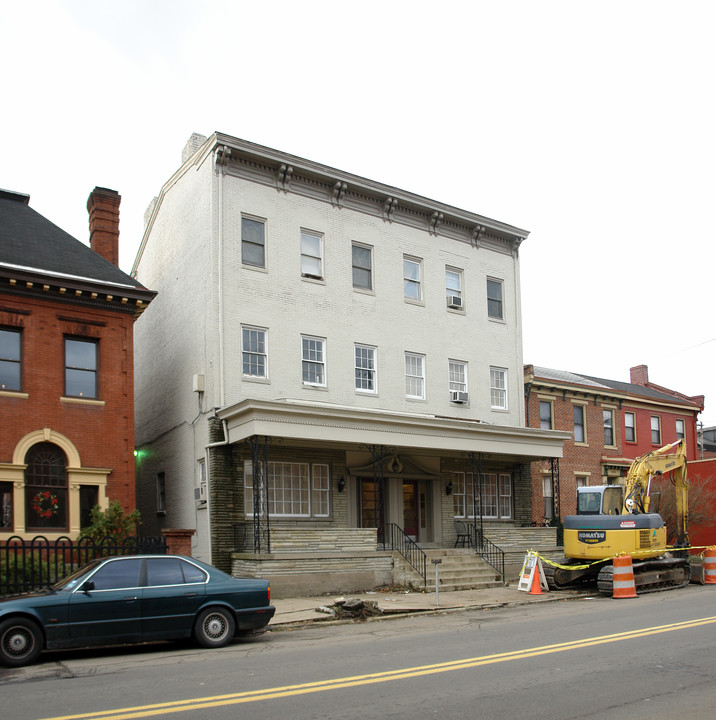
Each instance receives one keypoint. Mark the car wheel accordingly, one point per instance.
(214, 627)
(20, 642)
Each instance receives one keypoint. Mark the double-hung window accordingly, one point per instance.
(313, 356)
(453, 288)
(680, 430)
(254, 352)
(10, 359)
(457, 376)
(655, 430)
(498, 388)
(580, 435)
(545, 415)
(629, 427)
(253, 242)
(414, 376)
(366, 373)
(608, 420)
(490, 496)
(362, 259)
(495, 309)
(412, 278)
(311, 254)
(80, 368)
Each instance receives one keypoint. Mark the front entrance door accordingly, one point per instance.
(411, 515)
(371, 507)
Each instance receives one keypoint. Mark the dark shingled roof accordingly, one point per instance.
(29, 240)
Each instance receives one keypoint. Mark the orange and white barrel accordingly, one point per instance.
(710, 566)
(623, 578)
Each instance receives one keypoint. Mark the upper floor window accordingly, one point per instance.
(457, 376)
(498, 388)
(414, 376)
(80, 368)
(253, 242)
(580, 435)
(494, 299)
(629, 427)
(313, 356)
(608, 419)
(680, 430)
(362, 259)
(655, 430)
(311, 254)
(453, 288)
(254, 353)
(545, 415)
(412, 273)
(366, 379)
(10, 359)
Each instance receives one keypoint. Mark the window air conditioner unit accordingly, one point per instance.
(458, 396)
(454, 301)
(200, 494)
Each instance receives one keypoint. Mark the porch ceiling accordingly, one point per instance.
(328, 424)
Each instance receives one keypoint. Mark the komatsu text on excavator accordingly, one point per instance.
(616, 519)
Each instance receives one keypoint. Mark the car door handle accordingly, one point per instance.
(191, 594)
(130, 598)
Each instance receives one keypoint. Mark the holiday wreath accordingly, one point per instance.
(45, 504)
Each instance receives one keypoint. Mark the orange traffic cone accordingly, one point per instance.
(623, 578)
(710, 566)
(536, 584)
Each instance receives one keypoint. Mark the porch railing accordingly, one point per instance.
(27, 565)
(395, 539)
(487, 550)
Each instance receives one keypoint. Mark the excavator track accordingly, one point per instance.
(650, 575)
(564, 578)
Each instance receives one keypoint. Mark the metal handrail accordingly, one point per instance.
(488, 551)
(398, 541)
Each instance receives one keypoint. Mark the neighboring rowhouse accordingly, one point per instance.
(327, 362)
(66, 369)
(611, 422)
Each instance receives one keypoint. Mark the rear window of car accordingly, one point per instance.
(193, 574)
(172, 571)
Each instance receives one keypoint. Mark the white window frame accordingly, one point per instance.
(610, 413)
(682, 433)
(310, 358)
(356, 268)
(365, 368)
(631, 427)
(457, 375)
(453, 288)
(498, 388)
(414, 376)
(547, 497)
(411, 282)
(583, 424)
(259, 221)
(548, 423)
(656, 428)
(311, 257)
(491, 301)
(254, 352)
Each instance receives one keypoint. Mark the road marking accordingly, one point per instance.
(175, 706)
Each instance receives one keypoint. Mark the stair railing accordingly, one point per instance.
(487, 550)
(395, 539)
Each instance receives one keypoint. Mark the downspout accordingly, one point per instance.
(222, 155)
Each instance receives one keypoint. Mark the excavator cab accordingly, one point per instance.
(600, 500)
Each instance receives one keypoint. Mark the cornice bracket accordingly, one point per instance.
(436, 219)
(339, 192)
(223, 155)
(283, 181)
(389, 207)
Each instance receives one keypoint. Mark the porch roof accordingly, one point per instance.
(338, 425)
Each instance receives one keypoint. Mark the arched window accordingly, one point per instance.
(46, 488)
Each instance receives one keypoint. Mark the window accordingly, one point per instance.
(201, 480)
(311, 254)
(362, 267)
(629, 427)
(496, 494)
(313, 355)
(655, 430)
(494, 299)
(89, 498)
(172, 571)
(118, 574)
(294, 489)
(457, 375)
(253, 242)
(80, 368)
(366, 379)
(545, 415)
(10, 359)
(680, 430)
(6, 512)
(161, 493)
(582, 481)
(579, 433)
(608, 419)
(498, 388)
(453, 287)
(547, 497)
(254, 352)
(46, 487)
(412, 289)
(414, 376)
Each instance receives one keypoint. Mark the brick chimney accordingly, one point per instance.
(103, 209)
(639, 375)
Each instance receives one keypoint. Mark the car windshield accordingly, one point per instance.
(69, 582)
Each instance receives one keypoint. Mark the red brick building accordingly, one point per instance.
(66, 369)
(611, 422)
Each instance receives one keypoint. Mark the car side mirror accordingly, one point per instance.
(87, 586)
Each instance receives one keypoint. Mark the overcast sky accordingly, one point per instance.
(590, 124)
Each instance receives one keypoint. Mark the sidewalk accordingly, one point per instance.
(299, 611)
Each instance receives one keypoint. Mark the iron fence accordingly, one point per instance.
(27, 565)
(395, 539)
(488, 551)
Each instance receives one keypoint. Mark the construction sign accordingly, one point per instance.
(532, 577)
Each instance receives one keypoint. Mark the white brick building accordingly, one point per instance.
(357, 345)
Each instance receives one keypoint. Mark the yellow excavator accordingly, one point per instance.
(616, 519)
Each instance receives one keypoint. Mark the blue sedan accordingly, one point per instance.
(133, 599)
